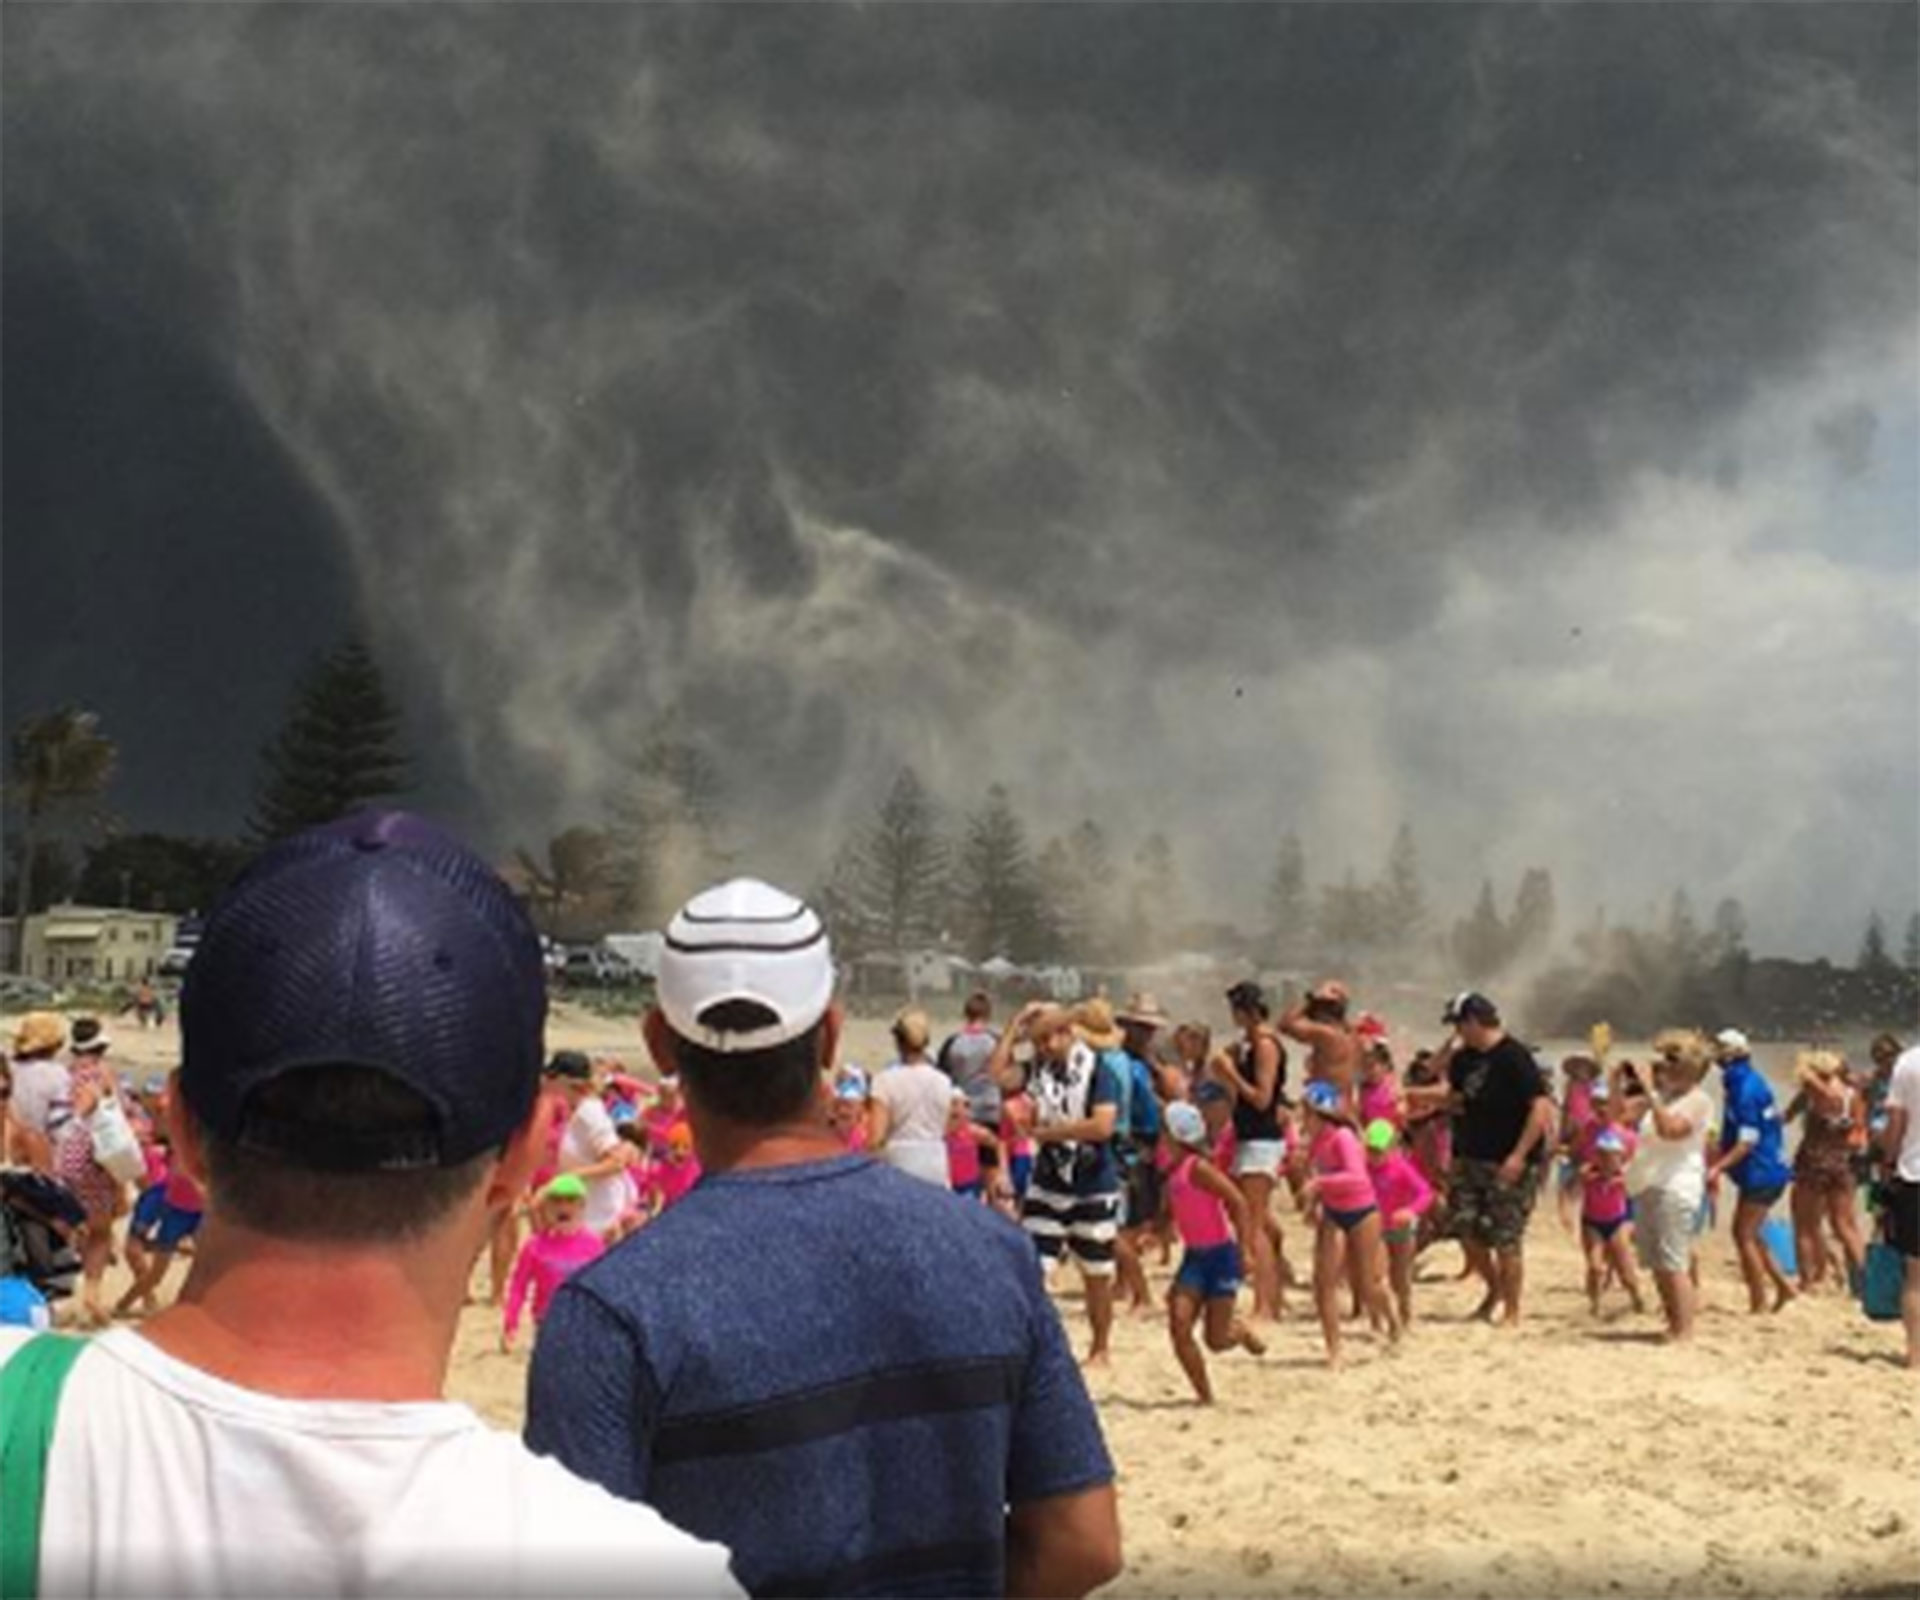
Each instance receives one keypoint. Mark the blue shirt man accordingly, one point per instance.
(851, 1379)
(1750, 1118)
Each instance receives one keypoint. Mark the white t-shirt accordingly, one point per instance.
(1678, 1166)
(42, 1094)
(590, 1137)
(918, 1098)
(164, 1479)
(1904, 1091)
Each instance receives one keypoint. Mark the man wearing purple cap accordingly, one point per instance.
(362, 1051)
(850, 1378)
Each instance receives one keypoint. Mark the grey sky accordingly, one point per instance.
(1220, 419)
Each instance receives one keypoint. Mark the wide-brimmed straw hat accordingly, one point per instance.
(1143, 1011)
(1819, 1066)
(1093, 1021)
(38, 1033)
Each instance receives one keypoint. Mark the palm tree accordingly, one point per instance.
(57, 759)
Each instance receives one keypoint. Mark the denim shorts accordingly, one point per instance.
(1212, 1273)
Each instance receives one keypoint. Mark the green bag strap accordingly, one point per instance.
(30, 1386)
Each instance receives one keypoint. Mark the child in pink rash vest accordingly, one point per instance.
(560, 1245)
(1349, 1222)
(1576, 1121)
(1405, 1197)
(671, 1177)
(1211, 1217)
(1606, 1216)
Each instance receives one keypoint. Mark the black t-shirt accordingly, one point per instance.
(1497, 1088)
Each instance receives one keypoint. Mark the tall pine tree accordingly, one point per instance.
(995, 891)
(900, 867)
(338, 750)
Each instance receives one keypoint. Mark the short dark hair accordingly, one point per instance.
(758, 1088)
(979, 1006)
(1323, 1008)
(273, 1192)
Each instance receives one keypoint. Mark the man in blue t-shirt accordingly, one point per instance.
(852, 1380)
(1752, 1151)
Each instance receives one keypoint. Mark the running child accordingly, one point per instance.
(559, 1246)
(1606, 1214)
(1404, 1196)
(1211, 1217)
(165, 1216)
(1341, 1191)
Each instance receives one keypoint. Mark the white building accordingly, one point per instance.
(68, 945)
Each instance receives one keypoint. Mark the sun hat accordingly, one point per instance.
(680, 1136)
(568, 1186)
(1380, 1134)
(38, 1033)
(1322, 1097)
(375, 942)
(1819, 1066)
(1094, 1022)
(89, 1037)
(1470, 1006)
(745, 940)
(1185, 1123)
(850, 1083)
(1143, 1011)
(1731, 1042)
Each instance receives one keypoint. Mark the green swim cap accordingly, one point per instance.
(1379, 1134)
(565, 1187)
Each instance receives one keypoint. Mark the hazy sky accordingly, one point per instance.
(1219, 419)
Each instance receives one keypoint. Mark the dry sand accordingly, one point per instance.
(1779, 1455)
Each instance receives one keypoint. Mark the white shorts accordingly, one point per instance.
(1259, 1158)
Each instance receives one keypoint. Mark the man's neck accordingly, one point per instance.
(735, 1147)
(306, 1323)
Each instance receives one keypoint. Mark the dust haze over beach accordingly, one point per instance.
(1216, 420)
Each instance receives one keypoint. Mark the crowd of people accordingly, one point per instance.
(751, 1368)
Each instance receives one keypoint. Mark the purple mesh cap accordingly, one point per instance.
(376, 941)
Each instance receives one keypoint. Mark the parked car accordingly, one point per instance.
(590, 967)
(174, 963)
(21, 993)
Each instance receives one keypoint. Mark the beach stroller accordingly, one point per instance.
(37, 1217)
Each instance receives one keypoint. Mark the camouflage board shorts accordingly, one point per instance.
(1485, 1210)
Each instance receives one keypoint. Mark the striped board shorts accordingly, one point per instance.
(1059, 1221)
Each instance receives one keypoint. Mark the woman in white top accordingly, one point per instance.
(1668, 1174)
(907, 1107)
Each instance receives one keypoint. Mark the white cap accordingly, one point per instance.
(1732, 1041)
(1185, 1123)
(745, 940)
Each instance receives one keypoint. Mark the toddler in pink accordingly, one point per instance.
(560, 1245)
(1405, 1197)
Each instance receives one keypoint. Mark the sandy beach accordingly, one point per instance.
(1779, 1455)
